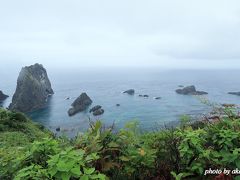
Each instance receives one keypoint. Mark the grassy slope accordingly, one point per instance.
(186, 151)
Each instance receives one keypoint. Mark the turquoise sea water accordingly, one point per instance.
(105, 88)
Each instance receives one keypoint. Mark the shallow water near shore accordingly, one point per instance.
(105, 88)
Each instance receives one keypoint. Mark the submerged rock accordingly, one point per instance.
(98, 112)
(235, 93)
(130, 92)
(95, 108)
(33, 89)
(3, 96)
(190, 90)
(157, 98)
(80, 104)
(117, 105)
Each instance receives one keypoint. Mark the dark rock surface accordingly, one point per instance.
(3, 96)
(130, 92)
(98, 112)
(33, 89)
(95, 108)
(58, 129)
(235, 93)
(190, 90)
(80, 104)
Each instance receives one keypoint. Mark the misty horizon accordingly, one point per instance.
(106, 34)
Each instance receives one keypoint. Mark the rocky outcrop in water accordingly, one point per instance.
(3, 96)
(235, 93)
(130, 92)
(98, 112)
(190, 90)
(95, 108)
(80, 104)
(33, 89)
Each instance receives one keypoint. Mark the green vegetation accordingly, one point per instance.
(28, 151)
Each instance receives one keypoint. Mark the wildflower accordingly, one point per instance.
(142, 152)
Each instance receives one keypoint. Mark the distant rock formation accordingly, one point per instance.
(190, 90)
(3, 96)
(33, 89)
(157, 98)
(235, 93)
(80, 104)
(130, 92)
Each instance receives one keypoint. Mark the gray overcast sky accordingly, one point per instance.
(165, 33)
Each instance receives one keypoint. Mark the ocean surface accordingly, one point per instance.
(105, 88)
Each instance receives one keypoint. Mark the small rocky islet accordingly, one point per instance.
(234, 93)
(129, 92)
(80, 104)
(97, 110)
(190, 90)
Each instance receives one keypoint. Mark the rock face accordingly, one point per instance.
(130, 92)
(190, 90)
(33, 89)
(3, 96)
(80, 104)
(235, 93)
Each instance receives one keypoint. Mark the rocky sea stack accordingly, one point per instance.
(190, 90)
(80, 104)
(33, 89)
(3, 96)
